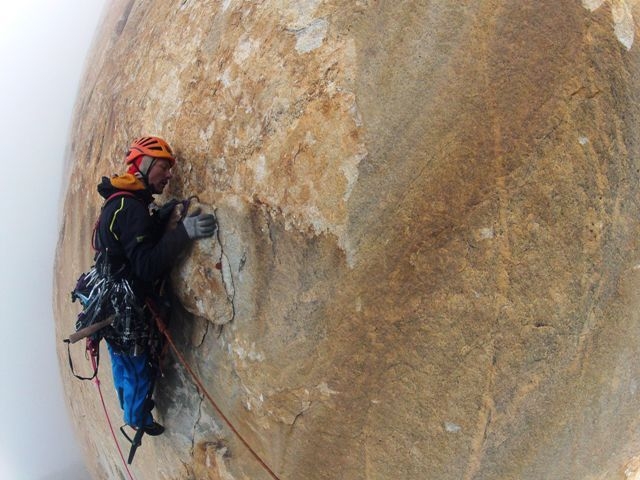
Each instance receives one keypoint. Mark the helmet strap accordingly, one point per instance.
(145, 176)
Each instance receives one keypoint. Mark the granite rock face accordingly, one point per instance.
(428, 263)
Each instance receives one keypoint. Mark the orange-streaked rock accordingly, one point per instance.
(428, 256)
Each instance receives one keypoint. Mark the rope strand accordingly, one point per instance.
(96, 380)
(163, 329)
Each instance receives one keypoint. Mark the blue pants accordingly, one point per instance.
(132, 377)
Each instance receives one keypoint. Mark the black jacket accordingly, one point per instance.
(133, 237)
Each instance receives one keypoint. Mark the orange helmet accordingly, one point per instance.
(153, 146)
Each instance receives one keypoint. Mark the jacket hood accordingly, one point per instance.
(127, 182)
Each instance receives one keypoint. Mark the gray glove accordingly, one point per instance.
(200, 225)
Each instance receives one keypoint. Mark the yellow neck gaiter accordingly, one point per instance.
(127, 181)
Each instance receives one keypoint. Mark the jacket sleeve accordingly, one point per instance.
(150, 253)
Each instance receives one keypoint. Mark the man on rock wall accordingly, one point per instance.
(140, 247)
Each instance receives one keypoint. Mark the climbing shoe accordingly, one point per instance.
(153, 429)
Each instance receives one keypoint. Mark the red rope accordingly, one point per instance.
(96, 380)
(162, 327)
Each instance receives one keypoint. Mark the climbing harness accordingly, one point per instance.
(164, 330)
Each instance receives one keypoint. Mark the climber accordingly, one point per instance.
(139, 247)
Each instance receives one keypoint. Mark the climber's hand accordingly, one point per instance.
(200, 225)
(176, 216)
(162, 214)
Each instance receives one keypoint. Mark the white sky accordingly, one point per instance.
(43, 44)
